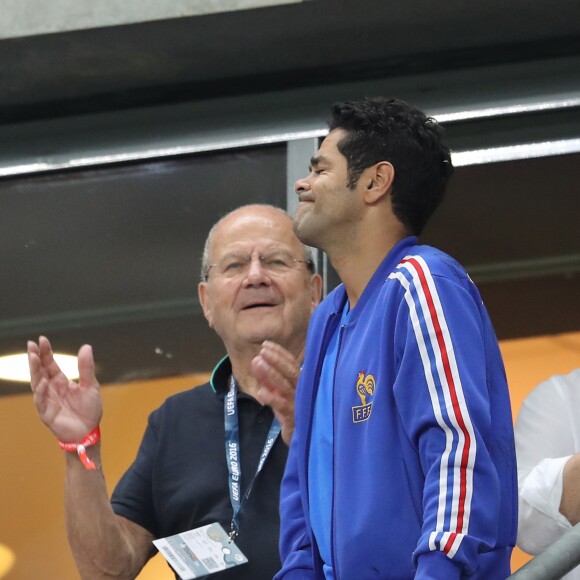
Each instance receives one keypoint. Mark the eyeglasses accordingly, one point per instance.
(275, 264)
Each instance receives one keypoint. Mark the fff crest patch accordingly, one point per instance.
(365, 389)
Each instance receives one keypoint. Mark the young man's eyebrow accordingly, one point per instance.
(316, 161)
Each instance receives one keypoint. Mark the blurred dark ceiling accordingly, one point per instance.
(110, 256)
(297, 45)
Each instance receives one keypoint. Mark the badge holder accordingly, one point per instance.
(200, 552)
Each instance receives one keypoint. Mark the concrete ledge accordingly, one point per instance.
(31, 17)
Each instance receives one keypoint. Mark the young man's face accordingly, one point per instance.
(247, 299)
(326, 205)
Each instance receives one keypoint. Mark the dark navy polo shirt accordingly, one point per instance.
(179, 479)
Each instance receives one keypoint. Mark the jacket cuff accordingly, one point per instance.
(436, 565)
(295, 574)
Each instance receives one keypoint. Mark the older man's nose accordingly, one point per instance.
(256, 272)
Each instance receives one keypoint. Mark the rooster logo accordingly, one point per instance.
(365, 386)
(365, 389)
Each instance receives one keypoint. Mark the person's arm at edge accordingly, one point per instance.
(570, 504)
(547, 466)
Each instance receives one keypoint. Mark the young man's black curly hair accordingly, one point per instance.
(380, 129)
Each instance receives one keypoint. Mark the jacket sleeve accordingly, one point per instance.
(295, 543)
(452, 396)
(544, 443)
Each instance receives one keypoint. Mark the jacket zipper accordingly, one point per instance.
(336, 575)
(318, 370)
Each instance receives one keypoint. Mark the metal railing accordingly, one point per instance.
(554, 562)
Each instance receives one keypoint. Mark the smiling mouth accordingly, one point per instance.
(259, 305)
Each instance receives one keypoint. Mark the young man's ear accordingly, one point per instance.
(316, 286)
(378, 181)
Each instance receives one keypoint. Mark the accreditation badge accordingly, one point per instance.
(200, 552)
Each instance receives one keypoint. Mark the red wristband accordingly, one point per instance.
(80, 448)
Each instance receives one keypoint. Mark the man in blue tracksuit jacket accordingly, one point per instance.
(402, 463)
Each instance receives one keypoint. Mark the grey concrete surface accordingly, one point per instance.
(19, 18)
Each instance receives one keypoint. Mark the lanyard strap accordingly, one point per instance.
(233, 453)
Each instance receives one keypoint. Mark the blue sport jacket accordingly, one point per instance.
(424, 469)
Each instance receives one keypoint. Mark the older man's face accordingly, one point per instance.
(258, 289)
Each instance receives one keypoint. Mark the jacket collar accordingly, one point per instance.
(388, 265)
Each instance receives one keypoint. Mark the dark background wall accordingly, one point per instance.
(120, 145)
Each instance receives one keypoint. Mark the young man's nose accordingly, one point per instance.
(302, 184)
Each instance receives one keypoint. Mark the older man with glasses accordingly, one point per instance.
(211, 456)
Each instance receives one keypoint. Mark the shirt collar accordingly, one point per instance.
(220, 376)
(220, 379)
